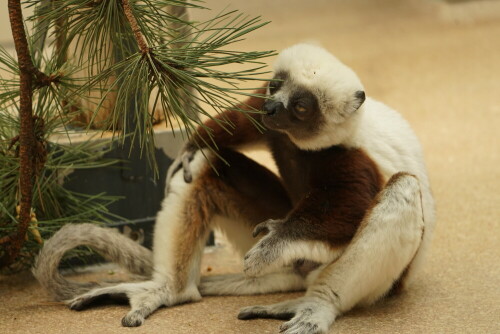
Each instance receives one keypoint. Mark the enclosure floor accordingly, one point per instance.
(440, 67)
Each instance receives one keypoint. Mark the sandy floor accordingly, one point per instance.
(440, 67)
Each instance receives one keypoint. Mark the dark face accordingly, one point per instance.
(292, 109)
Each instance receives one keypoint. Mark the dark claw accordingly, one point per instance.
(186, 159)
(187, 176)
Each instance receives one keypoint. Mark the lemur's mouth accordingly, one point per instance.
(272, 121)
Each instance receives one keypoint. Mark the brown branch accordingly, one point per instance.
(41, 79)
(26, 134)
(135, 27)
(22, 49)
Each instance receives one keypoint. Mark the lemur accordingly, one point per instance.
(348, 219)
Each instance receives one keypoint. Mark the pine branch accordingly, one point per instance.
(26, 135)
(135, 27)
(32, 155)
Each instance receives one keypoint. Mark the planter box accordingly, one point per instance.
(133, 179)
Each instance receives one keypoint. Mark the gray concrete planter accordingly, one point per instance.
(133, 179)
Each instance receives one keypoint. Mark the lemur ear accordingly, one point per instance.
(360, 96)
(356, 102)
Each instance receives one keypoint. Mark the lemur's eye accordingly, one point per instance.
(300, 108)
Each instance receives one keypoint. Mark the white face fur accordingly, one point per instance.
(335, 92)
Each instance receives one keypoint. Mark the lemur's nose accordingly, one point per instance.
(271, 107)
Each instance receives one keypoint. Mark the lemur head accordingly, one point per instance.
(316, 100)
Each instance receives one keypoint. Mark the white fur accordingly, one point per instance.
(315, 251)
(379, 252)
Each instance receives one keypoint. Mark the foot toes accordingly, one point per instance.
(132, 319)
(285, 326)
(300, 328)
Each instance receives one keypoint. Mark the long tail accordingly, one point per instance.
(107, 242)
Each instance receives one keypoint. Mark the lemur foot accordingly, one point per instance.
(308, 315)
(313, 316)
(144, 298)
(146, 301)
(133, 319)
(265, 252)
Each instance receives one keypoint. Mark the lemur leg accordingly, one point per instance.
(239, 284)
(176, 253)
(243, 192)
(377, 257)
(249, 195)
(172, 258)
(144, 297)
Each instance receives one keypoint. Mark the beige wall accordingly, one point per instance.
(5, 32)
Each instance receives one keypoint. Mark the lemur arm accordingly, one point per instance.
(319, 227)
(325, 220)
(331, 214)
(243, 130)
(342, 189)
(213, 134)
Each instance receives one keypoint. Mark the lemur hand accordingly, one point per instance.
(183, 159)
(268, 250)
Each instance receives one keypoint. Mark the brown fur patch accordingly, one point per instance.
(197, 213)
(342, 185)
(238, 129)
